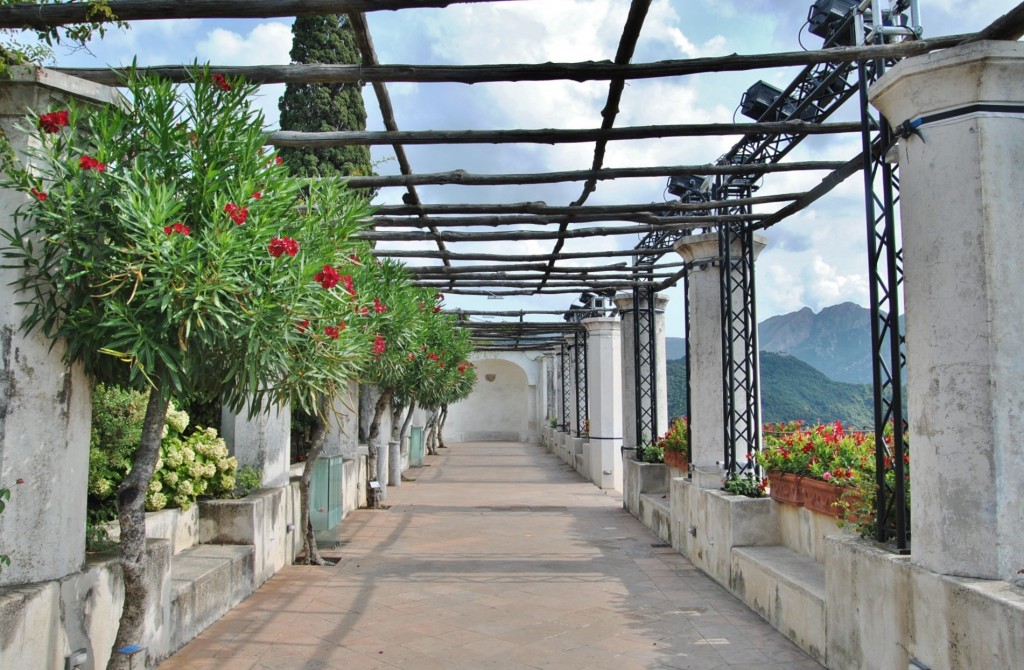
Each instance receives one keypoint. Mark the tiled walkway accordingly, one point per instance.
(497, 556)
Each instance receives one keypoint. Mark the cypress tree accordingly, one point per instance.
(324, 107)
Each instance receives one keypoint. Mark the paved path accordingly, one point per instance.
(497, 556)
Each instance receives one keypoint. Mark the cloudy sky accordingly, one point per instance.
(815, 259)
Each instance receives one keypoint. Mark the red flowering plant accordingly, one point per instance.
(137, 264)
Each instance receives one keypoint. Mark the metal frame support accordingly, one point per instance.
(645, 371)
(566, 390)
(582, 396)
(885, 266)
(741, 401)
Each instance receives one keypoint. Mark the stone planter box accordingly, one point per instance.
(677, 459)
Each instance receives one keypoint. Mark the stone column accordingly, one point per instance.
(629, 354)
(704, 302)
(45, 405)
(263, 442)
(604, 372)
(960, 202)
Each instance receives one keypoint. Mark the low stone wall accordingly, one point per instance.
(849, 604)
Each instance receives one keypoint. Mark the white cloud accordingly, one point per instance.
(266, 44)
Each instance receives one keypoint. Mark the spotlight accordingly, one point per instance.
(682, 185)
(759, 97)
(825, 16)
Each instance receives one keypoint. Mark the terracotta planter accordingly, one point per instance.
(822, 497)
(676, 459)
(785, 487)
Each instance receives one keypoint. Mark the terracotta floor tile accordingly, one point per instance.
(497, 556)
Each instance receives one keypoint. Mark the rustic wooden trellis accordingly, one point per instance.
(445, 226)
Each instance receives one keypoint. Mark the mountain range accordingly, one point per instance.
(814, 366)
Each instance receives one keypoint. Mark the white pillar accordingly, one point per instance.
(961, 201)
(704, 302)
(604, 372)
(625, 305)
(263, 442)
(45, 405)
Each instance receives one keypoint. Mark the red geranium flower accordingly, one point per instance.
(328, 277)
(52, 122)
(283, 245)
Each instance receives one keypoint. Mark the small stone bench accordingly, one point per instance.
(656, 514)
(207, 581)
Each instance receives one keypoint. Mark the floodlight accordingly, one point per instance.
(825, 16)
(682, 185)
(759, 97)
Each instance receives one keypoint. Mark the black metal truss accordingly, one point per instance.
(582, 396)
(645, 364)
(741, 399)
(567, 370)
(885, 267)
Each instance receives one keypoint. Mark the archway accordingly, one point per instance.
(498, 407)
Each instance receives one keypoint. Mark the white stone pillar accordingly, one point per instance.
(704, 302)
(45, 405)
(961, 200)
(263, 442)
(625, 305)
(604, 372)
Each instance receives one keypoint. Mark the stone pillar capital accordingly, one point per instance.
(703, 249)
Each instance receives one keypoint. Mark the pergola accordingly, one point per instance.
(718, 198)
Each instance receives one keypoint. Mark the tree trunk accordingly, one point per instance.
(131, 514)
(396, 418)
(440, 426)
(430, 438)
(380, 469)
(316, 447)
(404, 433)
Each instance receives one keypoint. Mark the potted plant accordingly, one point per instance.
(676, 444)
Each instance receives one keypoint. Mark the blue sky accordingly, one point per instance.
(815, 259)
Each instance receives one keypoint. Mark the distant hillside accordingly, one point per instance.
(835, 341)
(790, 389)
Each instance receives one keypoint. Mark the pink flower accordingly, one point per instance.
(827, 476)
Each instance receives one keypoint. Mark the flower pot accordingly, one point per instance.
(677, 459)
(785, 487)
(822, 497)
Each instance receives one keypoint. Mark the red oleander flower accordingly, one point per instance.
(87, 162)
(257, 195)
(378, 306)
(220, 82)
(331, 332)
(412, 357)
(364, 311)
(237, 214)
(52, 122)
(179, 228)
(19, 480)
(440, 364)
(434, 357)
(38, 195)
(278, 160)
(282, 245)
(346, 281)
(301, 326)
(328, 277)
(462, 368)
(438, 296)
(379, 345)
(437, 309)
(342, 326)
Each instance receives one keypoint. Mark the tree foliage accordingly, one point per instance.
(324, 107)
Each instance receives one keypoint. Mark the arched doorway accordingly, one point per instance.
(498, 407)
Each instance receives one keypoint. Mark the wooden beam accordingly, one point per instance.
(464, 178)
(293, 138)
(581, 285)
(531, 220)
(66, 13)
(513, 235)
(457, 256)
(497, 277)
(475, 74)
(507, 267)
(543, 208)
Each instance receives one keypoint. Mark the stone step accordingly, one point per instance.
(656, 514)
(787, 589)
(207, 581)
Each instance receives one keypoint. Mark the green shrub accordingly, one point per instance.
(247, 480)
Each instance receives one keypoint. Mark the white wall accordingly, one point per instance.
(505, 404)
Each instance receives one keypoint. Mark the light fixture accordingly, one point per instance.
(682, 185)
(761, 96)
(825, 16)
